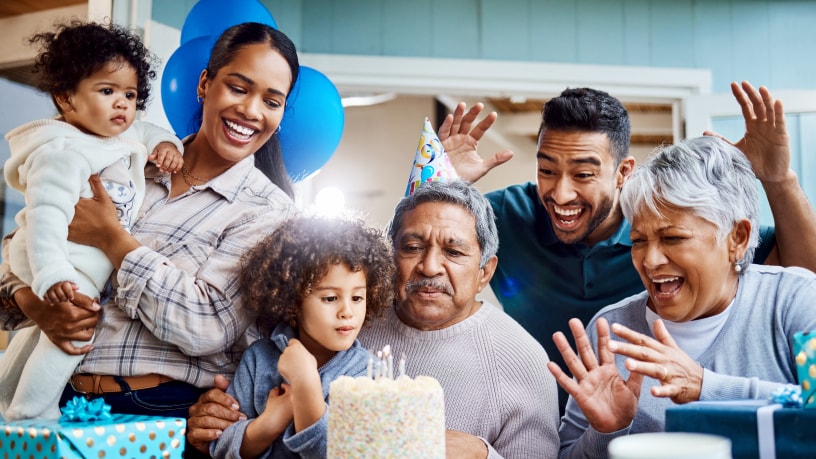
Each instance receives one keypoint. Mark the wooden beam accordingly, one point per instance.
(17, 7)
(14, 48)
(16, 55)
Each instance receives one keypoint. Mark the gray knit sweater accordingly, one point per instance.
(494, 376)
(750, 357)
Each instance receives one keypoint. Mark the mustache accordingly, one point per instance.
(414, 286)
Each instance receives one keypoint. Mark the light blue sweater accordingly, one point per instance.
(750, 357)
(257, 374)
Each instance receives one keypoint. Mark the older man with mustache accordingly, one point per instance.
(500, 401)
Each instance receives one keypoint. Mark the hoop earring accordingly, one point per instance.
(200, 100)
(277, 130)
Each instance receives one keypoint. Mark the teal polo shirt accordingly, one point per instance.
(543, 283)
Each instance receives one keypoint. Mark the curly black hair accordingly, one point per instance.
(78, 48)
(282, 269)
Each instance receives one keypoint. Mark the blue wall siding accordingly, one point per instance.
(357, 27)
(408, 19)
(318, 26)
(637, 32)
(289, 17)
(750, 40)
(764, 41)
(600, 32)
(673, 35)
(456, 29)
(792, 44)
(509, 26)
(553, 31)
(171, 13)
(715, 23)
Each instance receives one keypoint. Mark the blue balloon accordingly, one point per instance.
(312, 124)
(213, 17)
(179, 83)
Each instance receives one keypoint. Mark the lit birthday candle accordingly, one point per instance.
(389, 362)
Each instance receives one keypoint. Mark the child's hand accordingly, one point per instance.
(299, 367)
(167, 157)
(61, 291)
(262, 431)
(278, 413)
(297, 363)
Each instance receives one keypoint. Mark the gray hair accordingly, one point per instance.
(454, 192)
(706, 176)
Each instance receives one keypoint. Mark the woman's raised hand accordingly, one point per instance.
(681, 378)
(608, 402)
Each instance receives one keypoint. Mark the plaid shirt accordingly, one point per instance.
(177, 309)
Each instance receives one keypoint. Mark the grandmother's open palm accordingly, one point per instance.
(607, 400)
(680, 376)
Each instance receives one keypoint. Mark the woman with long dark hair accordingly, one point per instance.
(173, 317)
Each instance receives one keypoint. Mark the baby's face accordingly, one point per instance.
(332, 314)
(104, 103)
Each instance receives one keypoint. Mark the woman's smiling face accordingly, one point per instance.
(244, 101)
(688, 272)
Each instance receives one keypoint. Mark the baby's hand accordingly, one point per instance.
(167, 157)
(61, 291)
(296, 362)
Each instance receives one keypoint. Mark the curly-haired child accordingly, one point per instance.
(98, 76)
(314, 283)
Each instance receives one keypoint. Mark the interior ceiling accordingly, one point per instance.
(15, 7)
(8, 8)
(512, 105)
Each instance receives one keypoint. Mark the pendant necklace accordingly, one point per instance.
(186, 175)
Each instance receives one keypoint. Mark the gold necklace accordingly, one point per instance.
(186, 175)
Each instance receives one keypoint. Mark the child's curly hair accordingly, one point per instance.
(77, 49)
(283, 268)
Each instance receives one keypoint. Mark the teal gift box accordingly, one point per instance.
(804, 347)
(121, 436)
(757, 428)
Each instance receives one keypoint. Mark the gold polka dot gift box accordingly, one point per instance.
(804, 347)
(84, 437)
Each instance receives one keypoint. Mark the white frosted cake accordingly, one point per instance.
(386, 418)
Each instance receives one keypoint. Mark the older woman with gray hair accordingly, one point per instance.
(709, 326)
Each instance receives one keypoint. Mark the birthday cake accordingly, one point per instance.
(386, 418)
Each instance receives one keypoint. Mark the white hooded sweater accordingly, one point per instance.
(50, 163)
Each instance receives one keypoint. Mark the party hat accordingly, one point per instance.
(431, 163)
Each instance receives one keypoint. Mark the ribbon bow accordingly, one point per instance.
(789, 396)
(80, 409)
